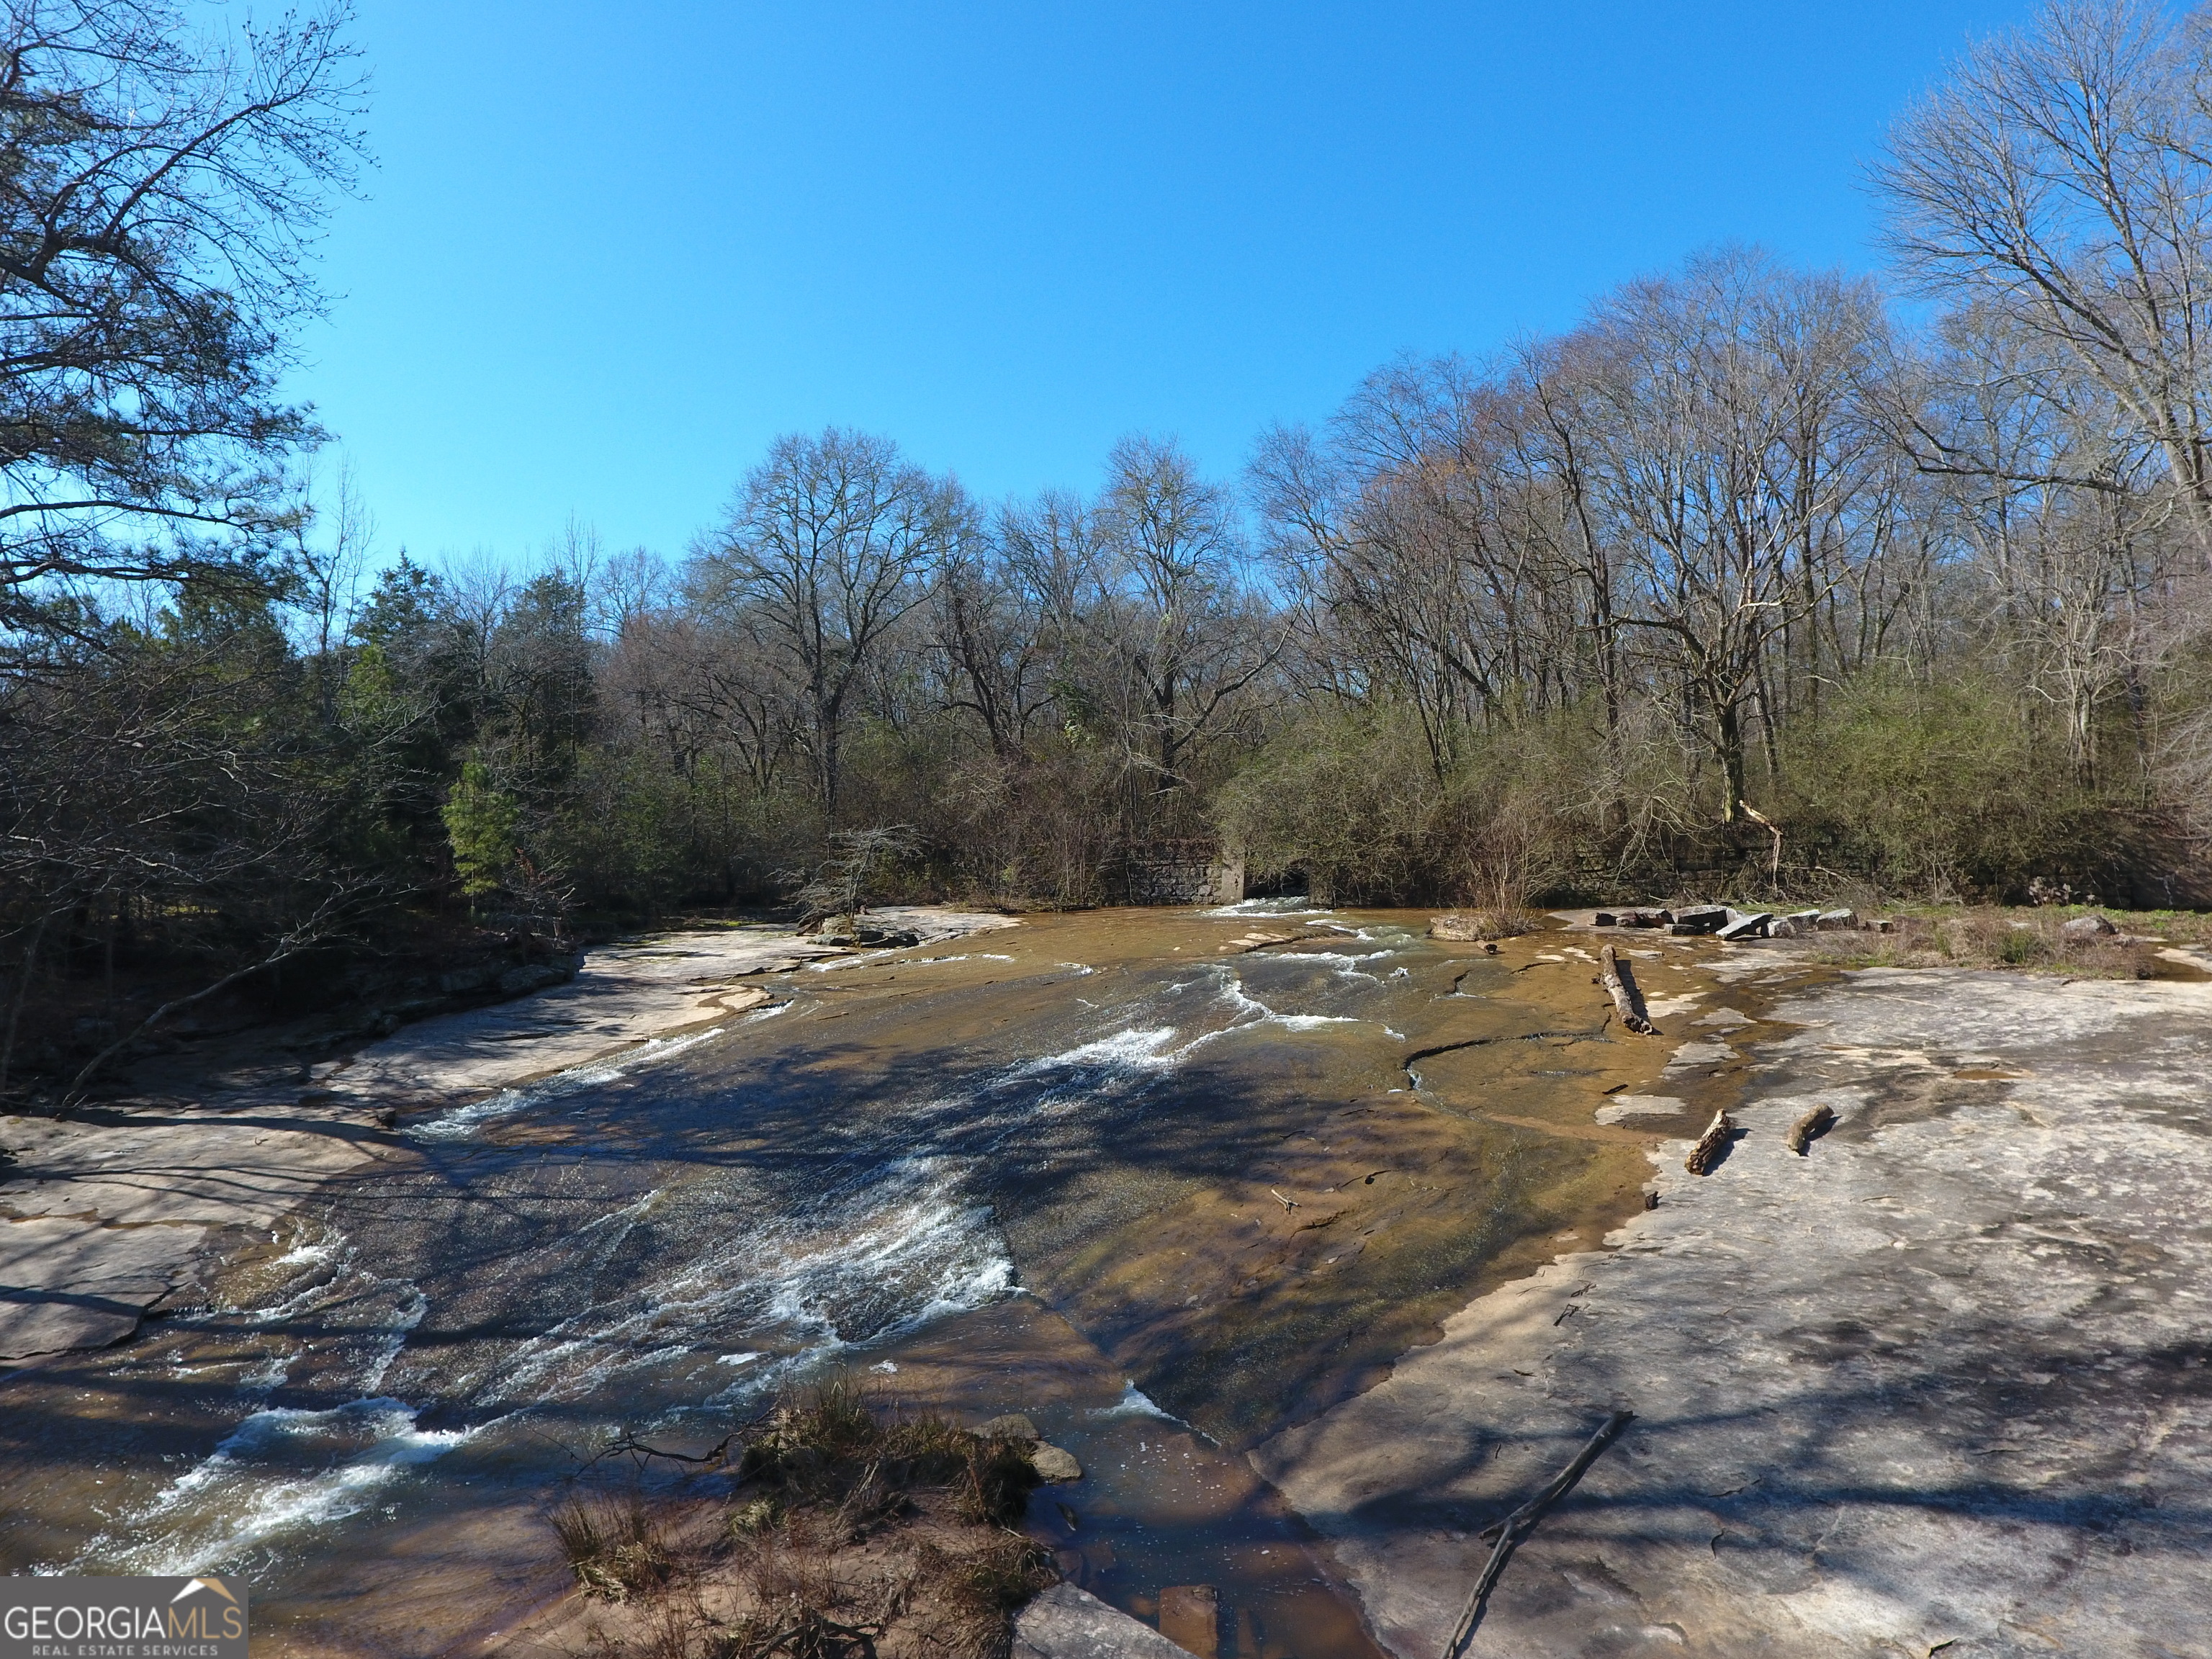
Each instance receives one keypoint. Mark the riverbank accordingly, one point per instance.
(132, 1206)
(1941, 1384)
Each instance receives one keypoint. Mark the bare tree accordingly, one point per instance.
(829, 542)
(328, 569)
(995, 626)
(2063, 172)
(1732, 464)
(2054, 492)
(1171, 608)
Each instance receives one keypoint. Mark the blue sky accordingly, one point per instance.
(610, 251)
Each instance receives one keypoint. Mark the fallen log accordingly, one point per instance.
(1710, 1145)
(1518, 1525)
(1809, 1127)
(1619, 981)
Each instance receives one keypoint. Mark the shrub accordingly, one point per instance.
(1945, 790)
(831, 1450)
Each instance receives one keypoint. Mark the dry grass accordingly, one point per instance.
(616, 1545)
(856, 1531)
(1995, 938)
(834, 1453)
(979, 1591)
(2180, 926)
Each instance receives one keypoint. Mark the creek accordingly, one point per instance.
(1163, 1191)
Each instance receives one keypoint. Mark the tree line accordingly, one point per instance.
(1760, 578)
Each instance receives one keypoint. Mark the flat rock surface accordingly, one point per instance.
(624, 994)
(94, 1205)
(1945, 1384)
(101, 1216)
(1068, 1623)
(107, 1276)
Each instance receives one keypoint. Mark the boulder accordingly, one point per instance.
(1700, 919)
(1013, 1425)
(1828, 919)
(1068, 1623)
(1052, 1463)
(2086, 927)
(1746, 924)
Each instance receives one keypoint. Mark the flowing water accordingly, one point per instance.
(1165, 1197)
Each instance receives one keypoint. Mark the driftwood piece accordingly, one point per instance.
(1518, 1525)
(1619, 981)
(1809, 1127)
(1244, 945)
(1707, 1151)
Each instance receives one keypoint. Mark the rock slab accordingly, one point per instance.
(68, 1283)
(1068, 1623)
(1945, 1385)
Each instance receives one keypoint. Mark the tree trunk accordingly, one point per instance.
(1727, 733)
(22, 990)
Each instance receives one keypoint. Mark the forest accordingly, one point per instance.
(1760, 581)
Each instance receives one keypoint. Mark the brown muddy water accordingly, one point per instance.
(1165, 1194)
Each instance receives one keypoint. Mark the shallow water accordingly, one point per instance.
(1165, 1199)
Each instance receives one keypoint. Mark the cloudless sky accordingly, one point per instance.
(610, 251)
